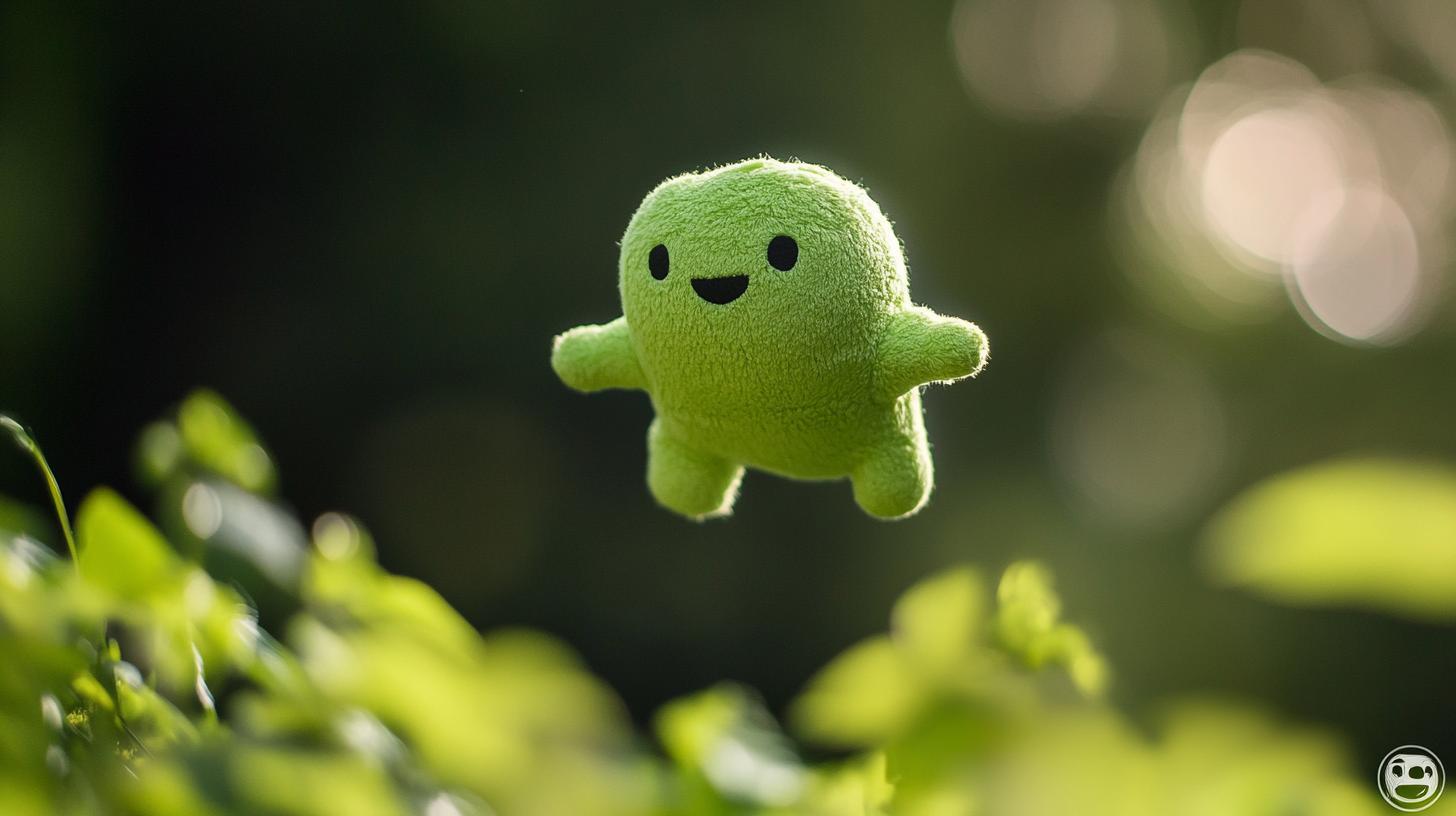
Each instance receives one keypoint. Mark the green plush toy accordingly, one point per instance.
(766, 311)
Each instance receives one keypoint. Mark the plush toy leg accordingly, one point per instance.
(695, 484)
(895, 480)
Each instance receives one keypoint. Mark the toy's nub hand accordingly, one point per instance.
(920, 346)
(591, 358)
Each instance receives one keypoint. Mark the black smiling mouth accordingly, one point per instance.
(721, 290)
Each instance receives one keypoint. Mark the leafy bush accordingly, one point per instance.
(138, 679)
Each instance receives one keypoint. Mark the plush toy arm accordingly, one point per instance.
(920, 346)
(591, 358)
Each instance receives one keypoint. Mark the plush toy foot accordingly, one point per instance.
(695, 484)
(894, 482)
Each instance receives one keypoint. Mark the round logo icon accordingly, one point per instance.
(1411, 778)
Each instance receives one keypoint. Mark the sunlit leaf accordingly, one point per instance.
(857, 788)
(1028, 609)
(688, 727)
(952, 734)
(218, 439)
(1084, 663)
(89, 689)
(865, 696)
(725, 735)
(937, 622)
(361, 590)
(1028, 625)
(311, 783)
(151, 718)
(1241, 761)
(120, 550)
(492, 715)
(168, 788)
(1083, 761)
(1374, 532)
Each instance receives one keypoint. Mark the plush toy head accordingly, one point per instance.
(766, 310)
(758, 285)
(721, 225)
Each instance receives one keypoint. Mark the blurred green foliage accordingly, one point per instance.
(1374, 532)
(137, 680)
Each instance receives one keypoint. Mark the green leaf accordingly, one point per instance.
(310, 783)
(89, 689)
(1028, 626)
(494, 716)
(1028, 610)
(120, 550)
(859, 787)
(725, 735)
(219, 440)
(1084, 663)
(688, 727)
(155, 721)
(158, 452)
(863, 697)
(937, 621)
(1374, 532)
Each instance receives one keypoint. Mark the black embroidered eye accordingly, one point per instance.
(657, 261)
(783, 253)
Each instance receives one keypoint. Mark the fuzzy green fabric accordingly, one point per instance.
(766, 311)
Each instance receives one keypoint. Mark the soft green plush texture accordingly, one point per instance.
(811, 373)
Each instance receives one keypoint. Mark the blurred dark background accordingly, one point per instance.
(362, 224)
